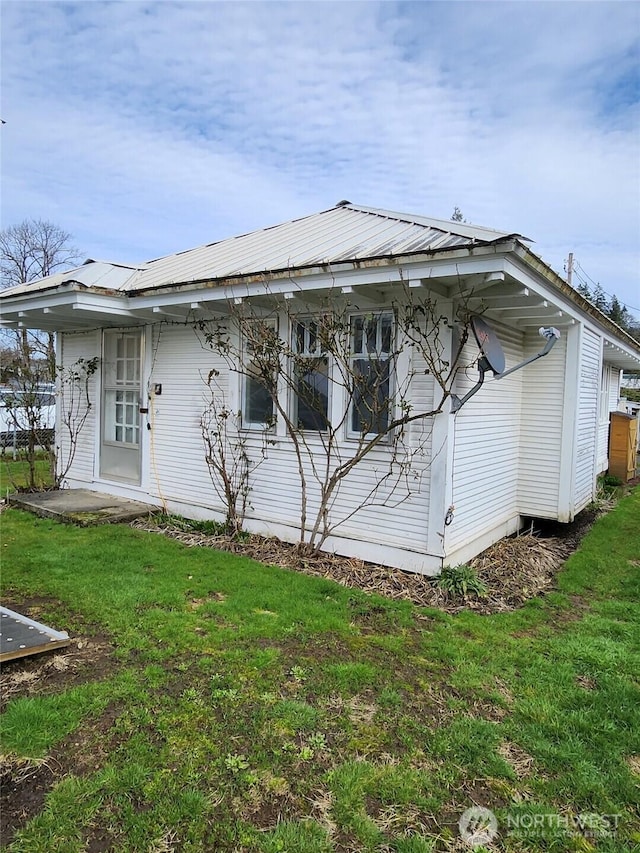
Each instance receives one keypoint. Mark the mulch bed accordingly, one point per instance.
(514, 569)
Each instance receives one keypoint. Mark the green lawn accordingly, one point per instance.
(248, 708)
(14, 474)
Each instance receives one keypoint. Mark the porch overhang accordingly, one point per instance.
(66, 308)
(620, 357)
(505, 282)
(72, 306)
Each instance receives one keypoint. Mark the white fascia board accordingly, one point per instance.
(69, 309)
(423, 271)
(114, 306)
(37, 301)
(392, 272)
(68, 299)
(184, 298)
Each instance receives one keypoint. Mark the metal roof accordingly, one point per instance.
(102, 274)
(343, 233)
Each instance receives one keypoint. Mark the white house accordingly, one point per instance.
(530, 444)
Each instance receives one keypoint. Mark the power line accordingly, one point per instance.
(577, 265)
(587, 274)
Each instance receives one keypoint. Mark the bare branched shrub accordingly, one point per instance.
(337, 381)
(227, 456)
(74, 407)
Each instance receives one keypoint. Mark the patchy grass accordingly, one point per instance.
(250, 708)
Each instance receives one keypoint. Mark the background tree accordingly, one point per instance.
(31, 250)
(613, 308)
(34, 249)
(599, 299)
(618, 312)
(583, 290)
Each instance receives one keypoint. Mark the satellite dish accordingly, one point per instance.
(492, 357)
(489, 345)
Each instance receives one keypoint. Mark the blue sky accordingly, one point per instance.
(148, 128)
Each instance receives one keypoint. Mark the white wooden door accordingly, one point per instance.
(121, 400)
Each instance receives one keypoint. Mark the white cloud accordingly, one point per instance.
(145, 128)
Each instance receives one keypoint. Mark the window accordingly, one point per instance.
(311, 377)
(371, 341)
(605, 388)
(260, 356)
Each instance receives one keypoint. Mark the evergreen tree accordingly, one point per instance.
(618, 313)
(599, 299)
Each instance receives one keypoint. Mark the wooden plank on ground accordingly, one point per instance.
(21, 636)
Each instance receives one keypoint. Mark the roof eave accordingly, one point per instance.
(506, 244)
(571, 293)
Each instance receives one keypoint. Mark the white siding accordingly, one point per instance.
(541, 431)
(178, 471)
(177, 468)
(487, 448)
(76, 345)
(588, 414)
(398, 518)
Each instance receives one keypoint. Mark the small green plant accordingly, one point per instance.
(192, 694)
(306, 753)
(235, 763)
(317, 741)
(206, 526)
(461, 581)
(609, 491)
(611, 480)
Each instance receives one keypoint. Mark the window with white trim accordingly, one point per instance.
(258, 352)
(605, 387)
(311, 377)
(371, 345)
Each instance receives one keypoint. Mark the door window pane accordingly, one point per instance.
(122, 416)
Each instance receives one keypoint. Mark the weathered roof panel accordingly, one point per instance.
(343, 233)
(102, 274)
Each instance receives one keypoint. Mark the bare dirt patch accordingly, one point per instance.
(514, 569)
(517, 758)
(634, 764)
(24, 784)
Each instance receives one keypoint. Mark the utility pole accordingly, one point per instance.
(570, 269)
